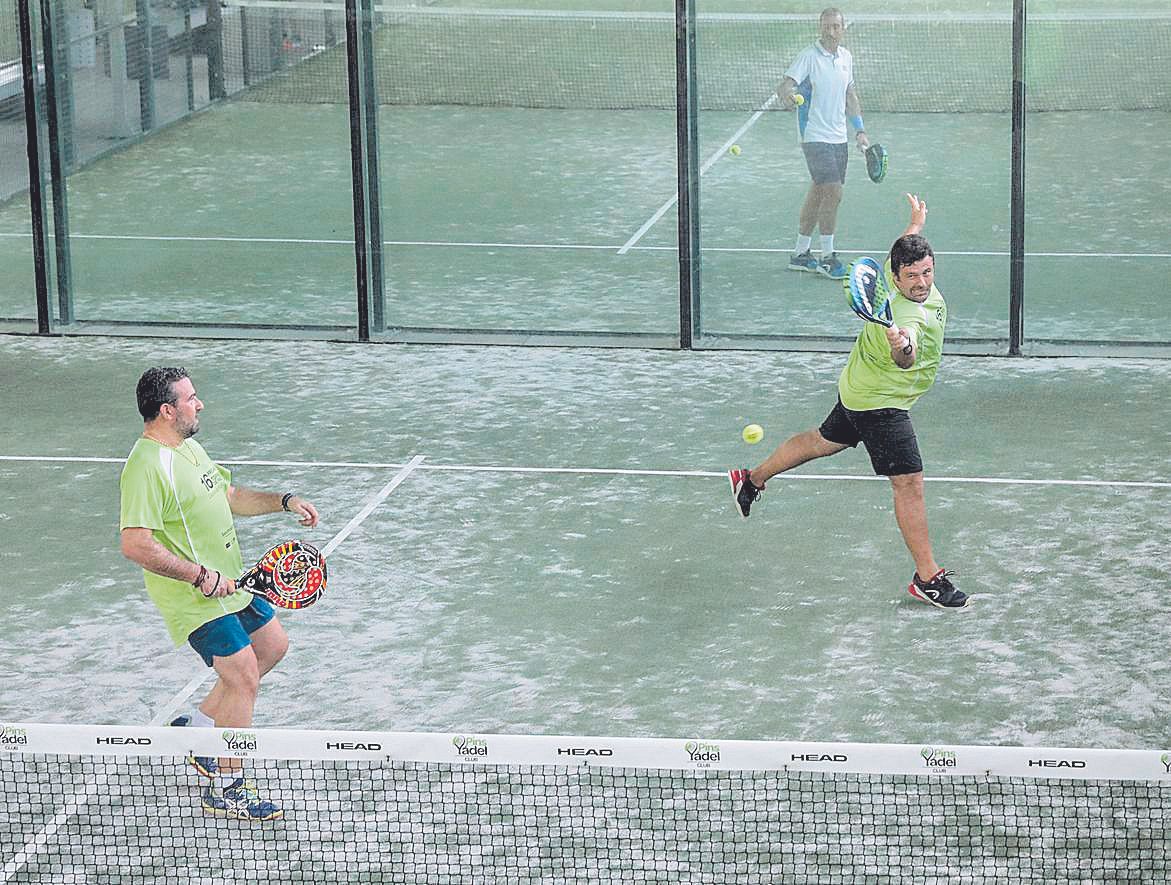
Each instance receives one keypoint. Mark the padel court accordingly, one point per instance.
(566, 560)
(550, 649)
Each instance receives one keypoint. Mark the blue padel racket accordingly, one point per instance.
(290, 575)
(865, 286)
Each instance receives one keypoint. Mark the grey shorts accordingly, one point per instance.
(827, 162)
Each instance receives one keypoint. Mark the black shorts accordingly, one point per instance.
(826, 162)
(887, 434)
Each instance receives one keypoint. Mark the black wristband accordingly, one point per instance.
(285, 501)
(214, 586)
(198, 582)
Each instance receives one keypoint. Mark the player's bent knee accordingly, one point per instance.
(271, 643)
(240, 672)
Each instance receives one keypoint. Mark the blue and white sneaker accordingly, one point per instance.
(829, 266)
(239, 800)
(804, 262)
(205, 765)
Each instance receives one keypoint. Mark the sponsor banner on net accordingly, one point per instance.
(926, 759)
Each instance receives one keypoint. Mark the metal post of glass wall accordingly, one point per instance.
(1016, 278)
(358, 169)
(216, 87)
(28, 64)
(145, 69)
(57, 109)
(377, 288)
(687, 137)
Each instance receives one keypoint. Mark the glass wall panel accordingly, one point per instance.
(1098, 231)
(528, 168)
(934, 85)
(238, 216)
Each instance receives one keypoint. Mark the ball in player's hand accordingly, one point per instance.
(752, 434)
(734, 150)
(798, 99)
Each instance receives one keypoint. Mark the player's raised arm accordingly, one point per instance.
(918, 215)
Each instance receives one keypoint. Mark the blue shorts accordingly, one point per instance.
(827, 162)
(228, 634)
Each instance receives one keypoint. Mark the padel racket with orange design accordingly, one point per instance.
(290, 575)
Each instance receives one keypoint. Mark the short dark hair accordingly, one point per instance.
(908, 249)
(832, 11)
(155, 387)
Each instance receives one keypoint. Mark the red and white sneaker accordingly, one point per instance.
(744, 493)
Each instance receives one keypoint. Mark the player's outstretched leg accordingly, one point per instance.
(939, 591)
(744, 493)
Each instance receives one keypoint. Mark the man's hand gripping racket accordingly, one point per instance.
(292, 574)
(869, 296)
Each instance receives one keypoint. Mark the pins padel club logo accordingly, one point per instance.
(12, 738)
(239, 741)
(935, 758)
(469, 747)
(701, 752)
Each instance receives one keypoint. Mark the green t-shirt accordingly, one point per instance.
(182, 495)
(872, 379)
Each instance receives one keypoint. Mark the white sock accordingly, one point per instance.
(200, 720)
(827, 245)
(803, 244)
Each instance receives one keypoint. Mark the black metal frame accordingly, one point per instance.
(28, 65)
(1016, 279)
(687, 138)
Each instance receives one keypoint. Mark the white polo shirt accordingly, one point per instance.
(823, 78)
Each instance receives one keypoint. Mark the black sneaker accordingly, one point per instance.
(939, 591)
(743, 491)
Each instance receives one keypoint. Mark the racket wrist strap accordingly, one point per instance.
(198, 582)
(285, 501)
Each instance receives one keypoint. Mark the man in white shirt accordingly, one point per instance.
(823, 75)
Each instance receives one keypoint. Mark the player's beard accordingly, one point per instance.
(186, 431)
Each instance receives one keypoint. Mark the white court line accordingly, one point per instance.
(78, 801)
(579, 246)
(36, 845)
(619, 471)
(711, 161)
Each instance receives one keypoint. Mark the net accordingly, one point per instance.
(116, 804)
(626, 60)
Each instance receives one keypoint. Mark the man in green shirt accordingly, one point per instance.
(887, 371)
(177, 523)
